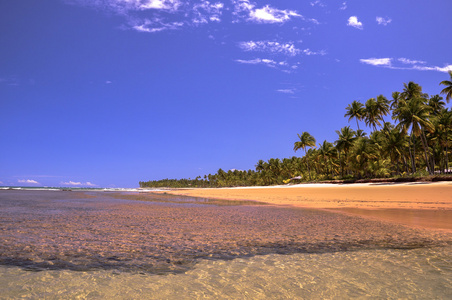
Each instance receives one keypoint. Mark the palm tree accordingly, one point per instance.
(415, 114)
(327, 152)
(355, 110)
(372, 114)
(443, 133)
(362, 152)
(395, 145)
(306, 140)
(382, 106)
(436, 103)
(347, 137)
(448, 89)
(412, 90)
(396, 98)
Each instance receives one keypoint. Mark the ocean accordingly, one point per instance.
(126, 245)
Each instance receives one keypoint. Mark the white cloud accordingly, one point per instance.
(205, 12)
(31, 181)
(309, 52)
(414, 64)
(445, 69)
(353, 21)
(71, 183)
(278, 48)
(153, 16)
(125, 6)
(344, 6)
(108, 82)
(410, 62)
(317, 3)
(286, 91)
(155, 26)
(267, 14)
(272, 47)
(262, 61)
(377, 61)
(77, 183)
(155, 4)
(383, 21)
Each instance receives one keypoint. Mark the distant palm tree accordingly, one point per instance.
(412, 90)
(362, 152)
(382, 106)
(415, 114)
(443, 133)
(448, 89)
(346, 138)
(396, 98)
(372, 115)
(355, 110)
(436, 103)
(305, 140)
(395, 145)
(327, 152)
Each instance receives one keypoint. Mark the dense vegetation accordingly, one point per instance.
(417, 143)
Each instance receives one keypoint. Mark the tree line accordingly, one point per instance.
(416, 143)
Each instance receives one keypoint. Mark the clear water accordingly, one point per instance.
(57, 245)
(377, 274)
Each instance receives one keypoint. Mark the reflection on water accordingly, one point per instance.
(383, 274)
(100, 245)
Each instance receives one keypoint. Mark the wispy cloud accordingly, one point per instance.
(391, 63)
(317, 3)
(262, 61)
(123, 6)
(377, 61)
(288, 48)
(309, 52)
(383, 21)
(344, 6)
(271, 47)
(411, 62)
(286, 91)
(205, 12)
(156, 25)
(77, 183)
(153, 16)
(28, 181)
(353, 21)
(244, 9)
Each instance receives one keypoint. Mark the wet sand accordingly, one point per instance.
(424, 205)
(161, 233)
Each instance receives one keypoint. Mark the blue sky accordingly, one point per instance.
(106, 93)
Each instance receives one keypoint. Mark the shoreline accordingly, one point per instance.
(426, 205)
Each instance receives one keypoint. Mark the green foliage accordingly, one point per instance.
(417, 145)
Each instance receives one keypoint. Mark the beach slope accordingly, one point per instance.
(420, 204)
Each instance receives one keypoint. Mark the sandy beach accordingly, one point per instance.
(419, 204)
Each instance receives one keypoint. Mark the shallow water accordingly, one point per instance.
(379, 274)
(60, 245)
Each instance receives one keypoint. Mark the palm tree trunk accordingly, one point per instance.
(424, 145)
(413, 163)
(397, 166)
(405, 164)
(447, 159)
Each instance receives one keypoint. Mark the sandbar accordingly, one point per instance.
(419, 204)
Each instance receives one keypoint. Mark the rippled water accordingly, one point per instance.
(382, 274)
(62, 245)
